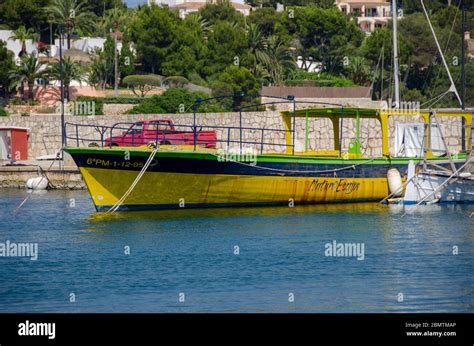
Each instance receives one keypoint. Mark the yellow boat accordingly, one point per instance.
(190, 176)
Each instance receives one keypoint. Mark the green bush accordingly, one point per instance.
(142, 84)
(176, 100)
(3, 112)
(303, 78)
(100, 101)
(122, 100)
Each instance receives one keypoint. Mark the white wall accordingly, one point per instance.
(15, 46)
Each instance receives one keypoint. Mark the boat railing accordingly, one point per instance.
(231, 138)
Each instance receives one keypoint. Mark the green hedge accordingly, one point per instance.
(3, 112)
(322, 79)
(122, 100)
(100, 101)
(340, 82)
(176, 100)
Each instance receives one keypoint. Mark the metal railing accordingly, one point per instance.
(205, 136)
(193, 133)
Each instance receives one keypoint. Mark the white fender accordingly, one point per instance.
(395, 182)
(38, 183)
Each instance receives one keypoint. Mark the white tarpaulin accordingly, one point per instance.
(409, 140)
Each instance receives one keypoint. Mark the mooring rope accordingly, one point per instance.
(293, 171)
(44, 176)
(117, 205)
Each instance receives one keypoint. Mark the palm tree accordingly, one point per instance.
(358, 70)
(197, 23)
(23, 34)
(27, 72)
(71, 71)
(114, 19)
(280, 62)
(98, 69)
(72, 14)
(257, 45)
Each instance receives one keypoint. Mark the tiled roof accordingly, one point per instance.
(317, 92)
(198, 5)
(366, 2)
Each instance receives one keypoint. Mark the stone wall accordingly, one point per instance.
(45, 137)
(17, 176)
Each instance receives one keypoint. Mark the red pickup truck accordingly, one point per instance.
(162, 132)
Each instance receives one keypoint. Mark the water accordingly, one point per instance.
(282, 251)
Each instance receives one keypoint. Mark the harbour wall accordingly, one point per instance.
(67, 178)
(45, 135)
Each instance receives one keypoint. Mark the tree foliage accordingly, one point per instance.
(29, 13)
(6, 65)
(154, 30)
(175, 100)
(28, 70)
(142, 84)
(72, 71)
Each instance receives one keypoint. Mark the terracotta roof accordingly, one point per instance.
(77, 55)
(366, 2)
(198, 5)
(317, 92)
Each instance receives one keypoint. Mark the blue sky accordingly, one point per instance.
(133, 3)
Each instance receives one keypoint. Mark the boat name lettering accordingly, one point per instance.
(341, 185)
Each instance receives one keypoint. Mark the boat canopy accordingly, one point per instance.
(337, 116)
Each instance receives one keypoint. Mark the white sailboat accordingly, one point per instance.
(430, 183)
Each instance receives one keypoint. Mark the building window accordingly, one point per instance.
(371, 12)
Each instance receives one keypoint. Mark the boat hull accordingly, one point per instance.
(457, 190)
(181, 190)
(193, 180)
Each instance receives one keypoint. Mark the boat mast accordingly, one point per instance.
(463, 71)
(463, 53)
(395, 55)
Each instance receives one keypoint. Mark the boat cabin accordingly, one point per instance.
(338, 115)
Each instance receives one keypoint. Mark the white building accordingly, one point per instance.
(188, 6)
(370, 14)
(15, 45)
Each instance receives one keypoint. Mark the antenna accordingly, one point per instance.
(395, 54)
(463, 55)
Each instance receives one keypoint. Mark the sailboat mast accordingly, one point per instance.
(463, 73)
(463, 55)
(395, 54)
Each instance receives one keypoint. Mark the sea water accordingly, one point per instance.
(325, 258)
